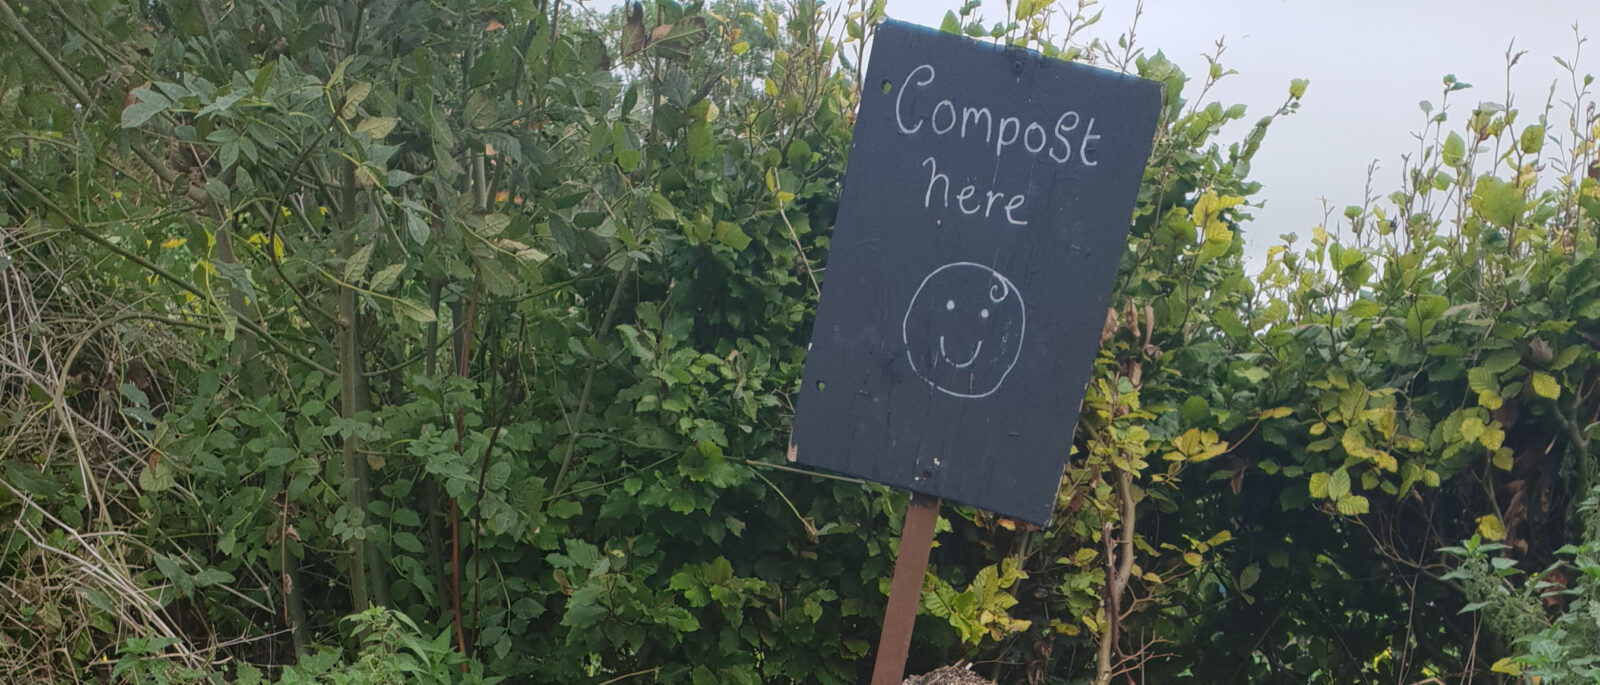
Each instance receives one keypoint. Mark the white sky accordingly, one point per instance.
(1369, 63)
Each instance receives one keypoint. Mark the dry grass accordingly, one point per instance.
(72, 581)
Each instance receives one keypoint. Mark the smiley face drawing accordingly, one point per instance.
(963, 330)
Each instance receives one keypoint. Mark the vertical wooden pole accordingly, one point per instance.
(905, 591)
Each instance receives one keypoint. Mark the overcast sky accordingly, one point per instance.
(1369, 63)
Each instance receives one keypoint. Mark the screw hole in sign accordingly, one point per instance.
(887, 86)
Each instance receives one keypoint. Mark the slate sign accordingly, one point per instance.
(985, 209)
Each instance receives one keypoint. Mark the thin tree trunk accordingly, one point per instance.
(349, 370)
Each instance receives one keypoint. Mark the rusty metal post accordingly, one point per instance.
(905, 591)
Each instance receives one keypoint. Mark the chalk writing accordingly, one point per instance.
(970, 192)
(963, 329)
(1001, 131)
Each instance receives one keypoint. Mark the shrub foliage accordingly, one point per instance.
(385, 341)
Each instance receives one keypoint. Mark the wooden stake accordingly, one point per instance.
(905, 591)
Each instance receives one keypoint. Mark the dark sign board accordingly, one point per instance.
(985, 209)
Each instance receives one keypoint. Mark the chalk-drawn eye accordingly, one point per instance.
(949, 305)
(984, 313)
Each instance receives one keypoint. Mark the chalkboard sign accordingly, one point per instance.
(985, 209)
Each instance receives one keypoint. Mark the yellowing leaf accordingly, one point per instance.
(741, 47)
(1352, 505)
(1502, 459)
(1386, 461)
(171, 243)
(1193, 558)
(377, 126)
(1507, 666)
(1278, 413)
(1319, 485)
(1489, 399)
(353, 99)
(1491, 528)
(1545, 385)
(1471, 428)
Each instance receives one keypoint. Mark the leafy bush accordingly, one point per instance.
(488, 315)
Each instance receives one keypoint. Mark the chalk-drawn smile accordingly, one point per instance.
(962, 365)
(969, 302)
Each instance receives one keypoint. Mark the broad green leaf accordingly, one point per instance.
(377, 127)
(384, 279)
(139, 112)
(1352, 505)
(356, 266)
(353, 98)
(1499, 202)
(413, 311)
(1249, 576)
(1339, 484)
(951, 23)
(491, 225)
(1532, 139)
(729, 233)
(1455, 150)
(407, 542)
(1501, 362)
(480, 109)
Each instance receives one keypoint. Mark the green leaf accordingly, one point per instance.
(413, 311)
(1499, 202)
(491, 225)
(1249, 576)
(1532, 139)
(1481, 379)
(480, 109)
(729, 233)
(384, 279)
(1501, 362)
(1545, 385)
(1455, 150)
(356, 266)
(353, 98)
(407, 541)
(218, 192)
(150, 104)
(377, 127)
(952, 23)
(1253, 374)
(212, 576)
(417, 228)
(1352, 505)
(702, 144)
(1339, 484)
